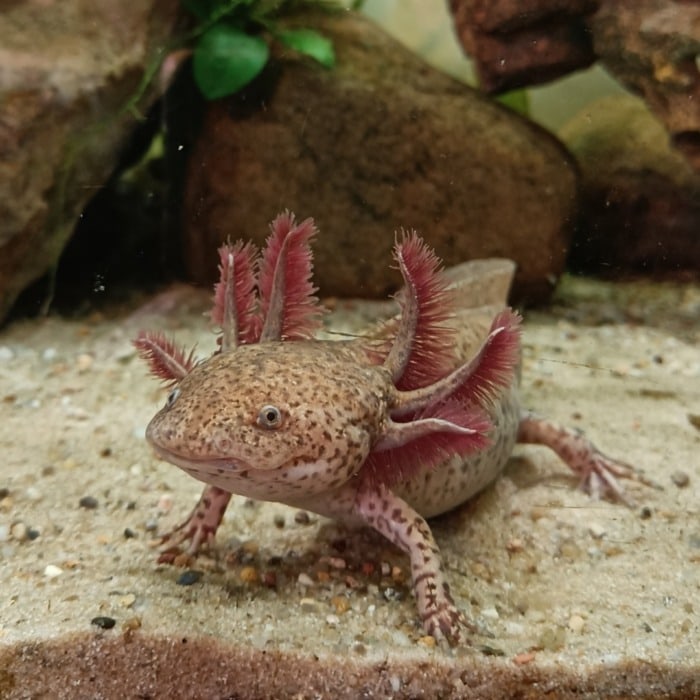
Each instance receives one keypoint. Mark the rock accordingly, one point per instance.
(523, 42)
(640, 208)
(67, 70)
(651, 46)
(380, 142)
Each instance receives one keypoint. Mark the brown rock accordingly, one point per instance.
(67, 70)
(381, 142)
(516, 43)
(640, 207)
(652, 47)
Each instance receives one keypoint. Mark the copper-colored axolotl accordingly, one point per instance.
(387, 429)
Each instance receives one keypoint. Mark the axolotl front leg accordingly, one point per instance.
(200, 527)
(392, 517)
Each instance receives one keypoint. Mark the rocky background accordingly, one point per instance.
(380, 142)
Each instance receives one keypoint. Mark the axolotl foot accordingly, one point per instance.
(199, 530)
(598, 474)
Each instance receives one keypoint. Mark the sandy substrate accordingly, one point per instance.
(581, 598)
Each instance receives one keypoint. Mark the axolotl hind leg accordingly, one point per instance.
(598, 473)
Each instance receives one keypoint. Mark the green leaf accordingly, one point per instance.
(517, 100)
(225, 59)
(310, 43)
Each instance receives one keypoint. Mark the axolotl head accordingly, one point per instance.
(271, 420)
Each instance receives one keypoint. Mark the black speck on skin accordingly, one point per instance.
(105, 623)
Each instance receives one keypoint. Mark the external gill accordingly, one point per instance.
(435, 413)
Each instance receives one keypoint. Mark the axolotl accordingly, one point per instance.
(388, 429)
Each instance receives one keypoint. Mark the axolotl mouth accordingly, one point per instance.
(280, 483)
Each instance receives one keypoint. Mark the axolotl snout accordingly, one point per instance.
(388, 429)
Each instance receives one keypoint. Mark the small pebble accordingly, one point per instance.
(427, 641)
(490, 613)
(132, 624)
(126, 601)
(6, 353)
(645, 513)
(305, 580)
(33, 494)
(129, 533)
(301, 517)
(269, 579)
(680, 479)
(105, 623)
(308, 605)
(151, 525)
(187, 578)
(19, 532)
(165, 503)
(597, 530)
(4, 492)
(51, 571)
(526, 657)
(84, 362)
(278, 520)
(340, 603)
(249, 575)
(337, 562)
(576, 623)
(332, 620)
(88, 502)
(488, 650)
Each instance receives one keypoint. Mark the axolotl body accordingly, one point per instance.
(388, 429)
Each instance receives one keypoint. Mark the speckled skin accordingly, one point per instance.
(331, 404)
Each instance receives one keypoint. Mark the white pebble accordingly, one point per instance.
(165, 503)
(332, 620)
(51, 571)
(596, 530)
(20, 532)
(490, 613)
(305, 580)
(49, 354)
(6, 353)
(33, 493)
(395, 683)
(576, 623)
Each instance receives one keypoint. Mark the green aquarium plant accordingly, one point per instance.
(231, 42)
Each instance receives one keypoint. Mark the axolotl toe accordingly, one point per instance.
(387, 429)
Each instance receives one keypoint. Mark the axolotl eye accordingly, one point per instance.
(270, 417)
(172, 397)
